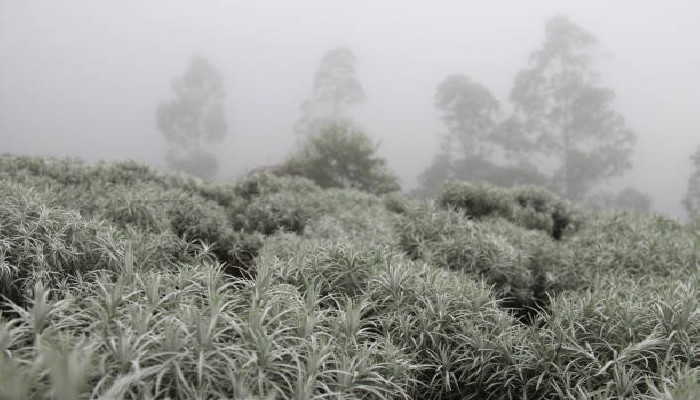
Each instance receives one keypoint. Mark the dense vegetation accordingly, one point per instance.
(341, 155)
(121, 282)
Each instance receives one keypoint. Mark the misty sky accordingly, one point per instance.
(84, 78)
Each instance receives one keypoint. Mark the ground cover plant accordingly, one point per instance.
(118, 281)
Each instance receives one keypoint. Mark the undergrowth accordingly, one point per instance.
(122, 282)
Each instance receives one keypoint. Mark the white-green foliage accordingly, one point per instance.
(620, 340)
(113, 291)
(526, 206)
(267, 204)
(341, 155)
(525, 266)
(649, 246)
(192, 333)
(42, 240)
(352, 215)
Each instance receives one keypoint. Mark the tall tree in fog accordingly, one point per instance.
(562, 112)
(470, 113)
(691, 201)
(335, 88)
(194, 117)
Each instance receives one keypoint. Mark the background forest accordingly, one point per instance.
(81, 79)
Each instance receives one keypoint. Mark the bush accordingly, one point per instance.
(525, 266)
(476, 200)
(132, 196)
(268, 204)
(113, 288)
(526, 206)
(620, 341)
(42, 241)
(640, 246)
(343, 156)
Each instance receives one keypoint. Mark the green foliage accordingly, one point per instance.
(352, 215)
(177, 212)
(399, 203)
(443, 321)
(476, 200)
(526, 206)
(269, 204)
(525, 266)
(117, 282)
(343, 156)
(639, 246)
(41, 240)
(621, 341)
(192, 332)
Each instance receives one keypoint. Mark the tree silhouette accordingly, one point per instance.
(564, 114)
(469, 111)
(691, 201)
(194, 117)
(471, 114)
(335, 88)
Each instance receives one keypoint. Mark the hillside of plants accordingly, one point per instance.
(121, 282)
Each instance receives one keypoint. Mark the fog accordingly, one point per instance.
(84, 78)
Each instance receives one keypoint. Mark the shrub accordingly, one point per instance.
(193, 332)
(398, 203)
(113, 288)
(526, 206)
(352, 215)
(40, 240)
(525, 266)
(268, 204)
(620, 341)
(445, 322)
(476, 200)
(131, 196)
(640, 246)
(343, 156)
